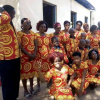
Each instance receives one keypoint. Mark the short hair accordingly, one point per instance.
(90, 52)
(65, 22)
(76, 53)
(53, 55)
(54, 37)
(22, 21)
(93, 28)
(8, 8)
(79, 22)
(56, 24)
(40, 23)
(71, 29)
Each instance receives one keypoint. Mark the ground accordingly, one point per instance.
(43, 95)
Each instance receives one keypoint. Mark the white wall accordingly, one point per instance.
(81, 11)
(32, 9)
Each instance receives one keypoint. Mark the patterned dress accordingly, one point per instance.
(78, 33)
(93, 70)
(42, 53)
(59, 82)
(61, 50)
(94, 41)
(77, 81)
(27, 68)
(71, 45)
(9, 47)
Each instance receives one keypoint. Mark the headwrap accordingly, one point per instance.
(56, 24)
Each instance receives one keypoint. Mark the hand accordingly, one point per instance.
(79, 92)
(67, 87)
(1, 9)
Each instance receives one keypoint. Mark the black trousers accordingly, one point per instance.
(10, 77)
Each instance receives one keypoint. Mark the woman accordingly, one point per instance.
(43, 40)
(93, 37)
(28, 46)
(94, 68)
(60, 89)
(86, 29)
(57, 33)
(78, 29)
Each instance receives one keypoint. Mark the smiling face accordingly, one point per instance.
(78, 26)
(94, 55)
(67, 25)
(56, 42)
(58, 28)
(42, 28)
(57, 62)
(76, 60)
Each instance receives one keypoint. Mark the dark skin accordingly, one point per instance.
(67, 26)
(83, 36)
(77, 62)
(72, 33)
(26, 25)
(78, 26)
(94, 33)
(57, 30)
(86, 28)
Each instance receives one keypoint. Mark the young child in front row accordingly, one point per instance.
(83, 36)
(58, 48)
(60, 88)
(79, 84)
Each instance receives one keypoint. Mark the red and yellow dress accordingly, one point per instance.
(59, 82)
(27, 68)
(77, 81)
(78, 33)
(42, 53)
(61, 50)
(87, 33)
(9, 47)
(60, 37)
(71, 45)
(94, 41)
(93, 70)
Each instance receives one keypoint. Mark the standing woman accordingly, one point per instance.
(43, 40)
(57, 33)
(78, 29)
(9, 54)
(28, 46)
(86, 29)
(93, 37)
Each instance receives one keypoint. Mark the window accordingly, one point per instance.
(49, 14)
(86, 19)
(73, 19)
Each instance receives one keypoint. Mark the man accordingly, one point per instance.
(9, 54)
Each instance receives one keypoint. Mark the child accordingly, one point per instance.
(79, 83)
(60, 89)
(28, 46)
(81, 49)
(71, 44)
(83, 36)
(58, 48)
(94, 68)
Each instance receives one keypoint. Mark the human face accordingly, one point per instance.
(56, 42)
(12, 14)
(86, 28)
(78, 26)
(42, 28)
(57, 62)
(26, 24)
(94, 55)
(95, 31)
(72, 33)
(67, 26)
(88, 43)
(58, 28)
(82, 45)
(77, 60)
(83, 36)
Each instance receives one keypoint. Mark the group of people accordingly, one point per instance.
(68, 60)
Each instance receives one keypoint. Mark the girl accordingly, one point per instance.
(43, 40)
(94, 68)
(60, 89)
(28, 46)
(79, 83)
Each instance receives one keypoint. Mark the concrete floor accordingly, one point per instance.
(43, 94)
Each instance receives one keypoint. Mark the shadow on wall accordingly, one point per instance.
(15, 4)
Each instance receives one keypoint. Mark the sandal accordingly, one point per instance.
(28, 95)
(34, 92)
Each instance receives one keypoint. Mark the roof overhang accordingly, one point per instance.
(86, 4)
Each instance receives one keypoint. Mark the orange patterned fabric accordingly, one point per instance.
(87, 33)
(42, 53)
(93, 70)
(94, 41)
(9, 47)
(78, 33)
(59, 82)
(27, 68)
(71, 45)
(61, 50)
(77, 81)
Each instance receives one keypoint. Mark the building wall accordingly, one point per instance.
(15, 4)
